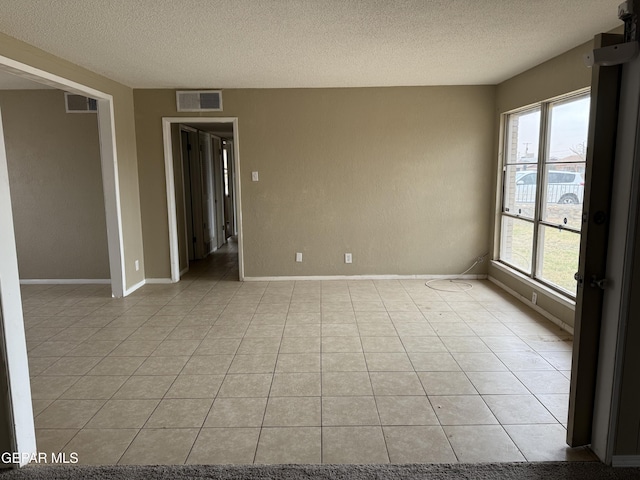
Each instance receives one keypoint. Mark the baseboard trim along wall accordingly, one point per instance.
(165, 281)
(625, 461)
(65, 281)
(133, 288)
(526, 301)
(147, 281)
(534, 285)
(365, 277)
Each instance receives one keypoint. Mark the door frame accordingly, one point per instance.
(108, 160)
(231, 186)
(206, 159)
(594, 262)
(174, 254)
(21, 419)
(611, 421)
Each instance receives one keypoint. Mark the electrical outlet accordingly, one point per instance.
(254, 176)
(298, 256)
(348, 258)
(137, 264)
(534, 298)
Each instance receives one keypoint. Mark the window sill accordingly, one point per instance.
(539, 287)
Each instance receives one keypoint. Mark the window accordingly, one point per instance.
(543, 190)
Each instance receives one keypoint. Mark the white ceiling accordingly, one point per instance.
(306, 43)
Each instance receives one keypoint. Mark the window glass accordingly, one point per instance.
(553, 258)
(519, 192)
(559, 254)
(523, 137)
(516, 243)
(565, 162)
(564, 195)
(568, 129)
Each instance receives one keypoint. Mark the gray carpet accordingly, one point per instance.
(488, 471)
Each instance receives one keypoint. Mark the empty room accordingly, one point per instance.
(311, 233)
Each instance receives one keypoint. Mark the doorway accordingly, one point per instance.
(15, 363)
(107, 152)
(201, 160)
(56, 187)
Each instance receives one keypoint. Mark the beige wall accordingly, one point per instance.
(563, 74)
(125, 140)
(399, 177)
(56, 186)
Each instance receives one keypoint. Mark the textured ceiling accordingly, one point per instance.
(306, 43)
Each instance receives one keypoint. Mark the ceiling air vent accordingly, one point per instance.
(79, 104)
(199, 100)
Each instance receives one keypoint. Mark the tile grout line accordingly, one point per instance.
(455, 454)
(375, 397)
(273, 374)
(212, 401)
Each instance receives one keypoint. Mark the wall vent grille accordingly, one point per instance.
(199, 100)
(79, 104)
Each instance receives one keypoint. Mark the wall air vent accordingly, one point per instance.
(79, 104)
(199, 100)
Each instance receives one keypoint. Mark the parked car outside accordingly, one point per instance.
(562, 187)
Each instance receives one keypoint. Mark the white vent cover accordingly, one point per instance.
(199, 100)
(79, 104)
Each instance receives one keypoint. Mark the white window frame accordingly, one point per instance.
(537, 220)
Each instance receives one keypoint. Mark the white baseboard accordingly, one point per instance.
(186, 269)
(363, 277)
(526, 301)
(135, 287)
(625, 461)
(152, 281)
(65, 281)
(534, 285)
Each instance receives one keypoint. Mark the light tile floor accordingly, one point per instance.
(211, 370)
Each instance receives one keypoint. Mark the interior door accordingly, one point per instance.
(187, 148)
(219, 190)
(601, 152)
(196, 198)
(193, 195)
(208, 217)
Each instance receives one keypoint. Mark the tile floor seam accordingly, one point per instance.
(321, 386)
(208, 411)
(375, 400)
(273, 374)
(548, 410)
(514, 442)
